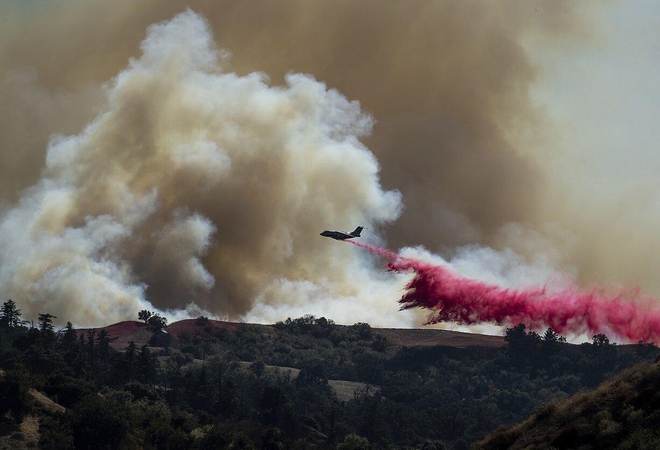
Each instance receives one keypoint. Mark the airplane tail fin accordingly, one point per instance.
(357, 231)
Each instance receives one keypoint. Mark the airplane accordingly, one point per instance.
(340, 235)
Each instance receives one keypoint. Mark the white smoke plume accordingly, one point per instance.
(198, 188)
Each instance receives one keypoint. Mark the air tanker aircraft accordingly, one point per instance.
(340, 235)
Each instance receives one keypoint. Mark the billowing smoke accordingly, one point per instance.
(194, 186)
(192, 180)
(452, 297)
(448, 83)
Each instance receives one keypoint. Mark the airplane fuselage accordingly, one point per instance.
(340, 235)
(337, 235)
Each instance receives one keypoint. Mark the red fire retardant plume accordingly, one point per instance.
(455, 298)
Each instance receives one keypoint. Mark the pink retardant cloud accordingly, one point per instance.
(455, 298)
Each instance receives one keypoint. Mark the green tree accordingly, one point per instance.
(151, 423)
(103, 348)
(379, 344)
(354, 442)
(645, 350)
(313, 373)
(157, 323)
(551, 337)
(551, 342)
(14, 395)
(69, 337)
(522, 347)
(273, 440)
(128, 366)
(242, 442)
(46, 322)
(10, 316)
(55, 432)
(91, 348)
(271, 401)
(258, 368)
(600, 340)
(47, 336)
(98, 423)
(363, 329)
(147, 365)
(145, 315)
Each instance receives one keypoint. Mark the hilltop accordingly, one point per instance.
(124, 332)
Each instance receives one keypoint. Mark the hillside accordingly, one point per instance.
(303, 383)
(124, 332)
(622, 413)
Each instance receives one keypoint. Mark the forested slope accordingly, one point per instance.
(203, 384)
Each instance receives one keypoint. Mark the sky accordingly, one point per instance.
(601, 96)
(605, 91)
(513, 140)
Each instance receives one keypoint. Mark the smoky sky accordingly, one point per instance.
(445, 82)
(431, 153)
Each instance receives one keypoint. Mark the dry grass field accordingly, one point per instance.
(396, 337)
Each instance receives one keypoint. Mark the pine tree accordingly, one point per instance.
(47, 335)
(10, 316)
(46, 322)
(147, 365)
(70, 336)
(104, 341)
(128, 368)
(91, 347)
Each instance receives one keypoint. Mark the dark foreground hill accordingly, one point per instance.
(622, 413)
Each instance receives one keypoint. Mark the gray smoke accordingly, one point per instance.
(192, 182)
(194, 185)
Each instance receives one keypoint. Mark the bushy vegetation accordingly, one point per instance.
(228, 386)
(623, 413)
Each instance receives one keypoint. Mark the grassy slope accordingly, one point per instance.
(18, 437)
(622, 413)
(26, 435)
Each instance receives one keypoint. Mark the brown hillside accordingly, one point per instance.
(396, 337)
(124, 332)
